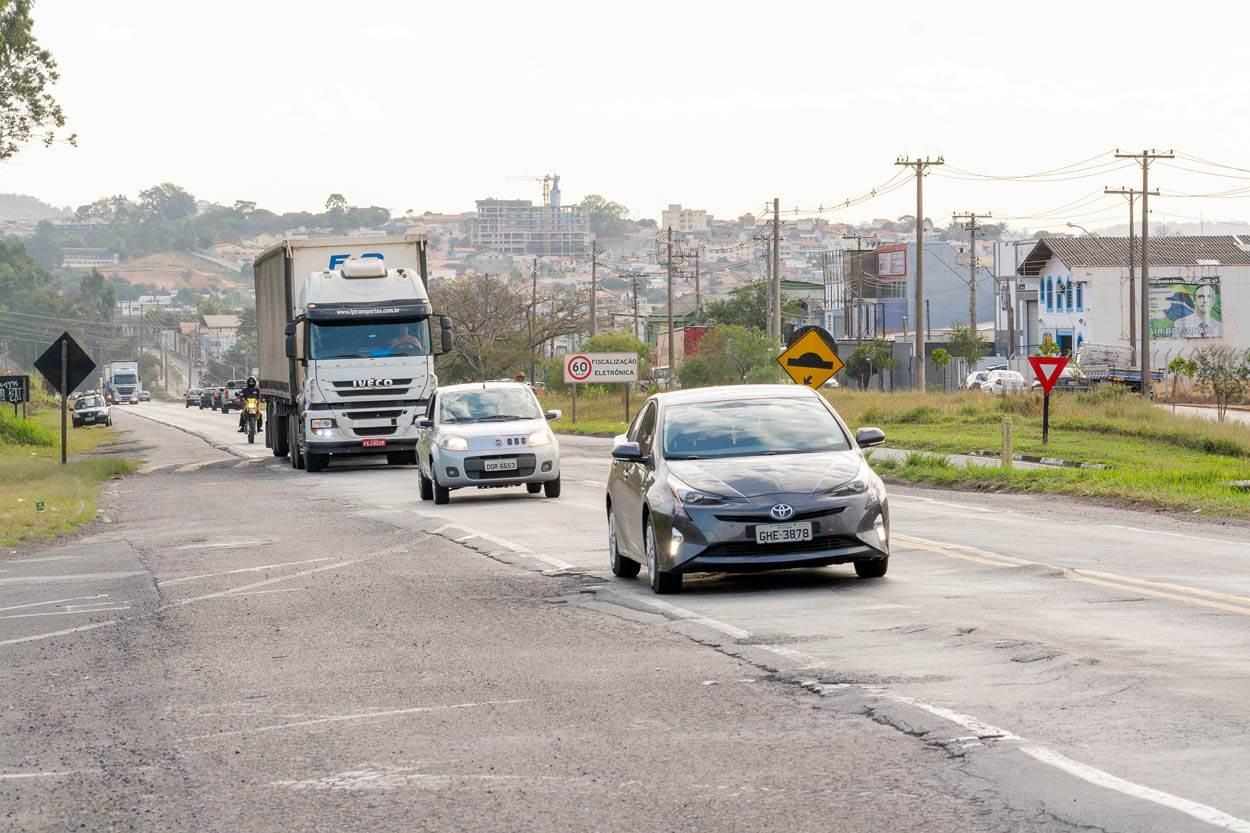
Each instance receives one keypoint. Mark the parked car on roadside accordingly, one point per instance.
(1004, 381)
(486, 435)
(975, 379)
(145, 396)
(743, 478)
(91, 410)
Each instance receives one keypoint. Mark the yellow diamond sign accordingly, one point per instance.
(810, 360)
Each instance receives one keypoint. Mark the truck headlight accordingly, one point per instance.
(452, 442)
(321, 427)
(539, 438)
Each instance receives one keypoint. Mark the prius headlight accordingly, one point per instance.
(453, 442)
(855, 487)
(539, 438)
(687, 495)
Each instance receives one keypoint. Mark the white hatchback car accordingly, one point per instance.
(975, 379)
(486, 435)
(1003, 382)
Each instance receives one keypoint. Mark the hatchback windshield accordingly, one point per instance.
(375, 339)
(88, 402)
(753, 427)
(488, 405)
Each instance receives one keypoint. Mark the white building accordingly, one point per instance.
(684, 220)
(1076, 289)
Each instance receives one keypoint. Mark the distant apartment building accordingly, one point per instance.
(88, 258)
(518, 227)
(685, 220)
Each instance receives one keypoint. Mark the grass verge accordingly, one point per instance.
(600, 413)
(31, 472)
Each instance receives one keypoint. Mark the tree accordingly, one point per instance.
(941, 357)
(606, 217)
(27, 72)
(1047, 347)
(728, 355)
(96, 297)
(1178, 367)
(166, 202)
(747, 306)
(209, 306)
(966, 343)
(1226, 371)
(336, 204)
(871, 357)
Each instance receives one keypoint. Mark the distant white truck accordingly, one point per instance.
(121, 382)
(347, 340)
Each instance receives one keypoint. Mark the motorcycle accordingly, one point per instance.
(251, 417)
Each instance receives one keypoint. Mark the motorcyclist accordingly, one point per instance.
(250, 390)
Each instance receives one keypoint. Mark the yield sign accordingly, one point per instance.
(811, 360)
(78, 364)
(1047, 369)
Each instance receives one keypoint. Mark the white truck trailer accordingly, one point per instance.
(347, 340)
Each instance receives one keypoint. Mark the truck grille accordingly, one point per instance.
(378, 431)
(373, 414)
(347, 389)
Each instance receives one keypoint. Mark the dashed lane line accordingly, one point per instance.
(54, 602)
(167, 582)
(38, 636)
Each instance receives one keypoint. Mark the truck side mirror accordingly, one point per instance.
(444, 323)
(291, 352)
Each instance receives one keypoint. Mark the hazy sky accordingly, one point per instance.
(717, 105)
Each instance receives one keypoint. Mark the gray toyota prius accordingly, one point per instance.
(751, 477)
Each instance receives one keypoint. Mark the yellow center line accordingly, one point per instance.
(1157, 589)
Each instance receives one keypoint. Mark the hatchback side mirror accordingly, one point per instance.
(553, 414)
(868, 437)
(425, 422)
(627, 452)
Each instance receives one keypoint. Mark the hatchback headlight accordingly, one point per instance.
(452, 442)
(539, 438)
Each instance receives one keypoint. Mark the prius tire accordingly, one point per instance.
(663, 582)
(622, 567)
(872, 567)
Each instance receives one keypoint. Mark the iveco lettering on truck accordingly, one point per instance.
(347, 341)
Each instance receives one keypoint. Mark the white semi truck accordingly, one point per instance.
(121, 382)
(347, 340)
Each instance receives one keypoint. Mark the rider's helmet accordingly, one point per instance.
(251, 380)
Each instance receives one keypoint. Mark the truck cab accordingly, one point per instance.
(363, 342)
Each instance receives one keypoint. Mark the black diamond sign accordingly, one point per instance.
(78, 364)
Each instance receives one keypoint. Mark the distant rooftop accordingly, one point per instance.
(1188, 250)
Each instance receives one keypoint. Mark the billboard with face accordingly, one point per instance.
(1185, 309)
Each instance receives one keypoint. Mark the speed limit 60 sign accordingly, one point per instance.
(600, 367)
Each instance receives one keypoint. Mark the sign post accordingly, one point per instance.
(595, 368)
(1047, 370)
(64, 365)
(811, 359)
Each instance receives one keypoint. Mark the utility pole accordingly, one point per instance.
(634, 278)
(532, 316)
(672, 363)
(698, 298)
(776, 287)
(920, 165)
(1132, 258)
(594, 288)
(970, 221)
(1144, 159)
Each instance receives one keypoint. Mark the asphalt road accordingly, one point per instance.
(239, 646)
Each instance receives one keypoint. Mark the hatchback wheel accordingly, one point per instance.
(661, 581)
(442, 495)
(533, 488)
(552, 488)
(621, 566)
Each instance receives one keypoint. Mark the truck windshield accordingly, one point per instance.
(124, 379)
(369, 339)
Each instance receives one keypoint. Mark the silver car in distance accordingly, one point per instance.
(486, 435)
(753, 477)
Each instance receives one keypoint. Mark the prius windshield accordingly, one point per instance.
(750, 428)
(369, 340)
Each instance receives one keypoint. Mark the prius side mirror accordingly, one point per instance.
(628, 452)
(868, 437)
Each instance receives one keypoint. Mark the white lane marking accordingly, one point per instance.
(54, 602)
(341, 718)
(595, 483)
(972, 724)
(1176, 535)
(550, 561)
(66, 632)
(64, 612)
(252, 461)
(691, 616)
(264, 592)
(222, 545)
(1106, 780)
(166, 582)
(268, 581)
(15, 776)
(948, 503)
(70, 577)
(791, 654)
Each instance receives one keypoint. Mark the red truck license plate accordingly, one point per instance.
(373, 443)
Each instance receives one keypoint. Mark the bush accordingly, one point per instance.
(24, 432)
(921, 414)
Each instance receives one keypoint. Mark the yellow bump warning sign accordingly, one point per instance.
(810, 360)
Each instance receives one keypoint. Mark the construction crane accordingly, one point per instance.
(550, 182)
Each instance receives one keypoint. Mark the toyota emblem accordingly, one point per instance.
(782, 512)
